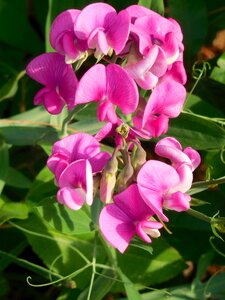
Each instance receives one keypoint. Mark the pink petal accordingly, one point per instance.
(78, 175)
(107, 129)
(156, 125)
(118, 38)
(53, 102)
(106, 112)
(98, 40)
(92, 86)
(167, 98)
(116, 227)
(63, 23)
(77, 146)
(144, 229)
(131, 202)
(98, 161)
(186, 177)
(178, 202)
(57, 163)
(47, 69)
(193, 156)
(91, 17)
(72, 198)
(121, 89)
(176, 72)
(137, 11)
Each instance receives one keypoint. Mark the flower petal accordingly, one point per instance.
(92, 86)
(72, 198)
(116, 227)
(121, 89)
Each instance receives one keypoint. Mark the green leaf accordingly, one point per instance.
(63, 219)
(91, 126)
(10, 210)
(27, 133)
(9, 81)
(164, 264)
(17, 179)
(156, 5)
(102, 285)
(4, 163)
(37, 115)
(199, 132)
(132, 293)
(218, 73)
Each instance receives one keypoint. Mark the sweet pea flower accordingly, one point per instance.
(102, 28)
(157, 44)
(63, 38)
(127, 216)
(110, 86)
(165, 102)
(159, 186)
(60, 82)
(184, 161)
(75, 160)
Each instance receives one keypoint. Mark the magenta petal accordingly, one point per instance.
(72, 198)
(91, 17)
(193, 156)
(97, 39)
(137, 11)
(107, 129)
(53, 102)
(118, 38)
(57, 163)
(121, 89)
(156, 125)
(178, 201)
(78, 175)
(131, 202)
(98, 161)
(116, 227)
(77, 146)
(92, 86)
(63, 23)
(47, 69)
(106, 112)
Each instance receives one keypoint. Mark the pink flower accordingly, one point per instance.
(184, 162)
(129, 215)
(75, 160)
(165, 102)
(110, 86)
(63, 38)
(103, 28)
(59, 80)
(159, 186)
(157, 44)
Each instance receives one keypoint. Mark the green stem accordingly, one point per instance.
(209, 182)
(199, 215)
(93, 267)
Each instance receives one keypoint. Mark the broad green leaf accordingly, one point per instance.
(91, 126)
(102, 285)
(8, 81)
(3, 286)
(132, 293)
(61, 253)
(156, 5)
(63, 219)
(197, 131)
(37, 114)
(218, 72)
(26, 132)
(4, 163)
(164, 264)
(17, 179)
(10, 210)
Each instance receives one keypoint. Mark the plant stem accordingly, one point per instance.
(199, 215)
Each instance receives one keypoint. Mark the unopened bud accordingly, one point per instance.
(108, 179)
(138, 157)
(123, 130)
(126, 175)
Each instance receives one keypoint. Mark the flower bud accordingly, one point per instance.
(138, 157)
(126, 175)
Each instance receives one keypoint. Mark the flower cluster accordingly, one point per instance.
(138, 50)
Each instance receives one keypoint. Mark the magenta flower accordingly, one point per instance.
(159, 186)
(76, 147)
(165, 102)
(110, 86)
(74, 161)
(184, 162)
(129, 215)
(103, 28)
(59, 80)
(63, 38)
